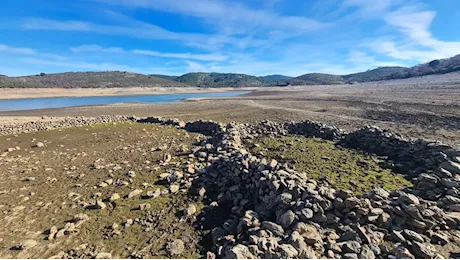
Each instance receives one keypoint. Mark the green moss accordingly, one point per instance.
(344, 168)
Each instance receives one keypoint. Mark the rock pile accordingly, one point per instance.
(278, 212)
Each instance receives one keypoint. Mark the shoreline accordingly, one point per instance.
(26, 93)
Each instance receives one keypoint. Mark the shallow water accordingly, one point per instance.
(58, 102)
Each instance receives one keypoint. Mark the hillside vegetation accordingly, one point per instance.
(222, 80)
(107, 79)
(277, 77)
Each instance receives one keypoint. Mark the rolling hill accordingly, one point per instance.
(277, 77)
(218, 80)
(107, 79)
(383, 73)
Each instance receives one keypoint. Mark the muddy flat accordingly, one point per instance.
(426, 109)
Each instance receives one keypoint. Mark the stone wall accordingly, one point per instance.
(16, 128)
(278, 212)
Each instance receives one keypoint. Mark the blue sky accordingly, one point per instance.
(258, 37)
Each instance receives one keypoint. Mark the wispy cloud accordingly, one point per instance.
(195, 67)
(203, 57)
(143, 30)
(364, 60)
(17, 50)
(96, 48)
(80, 64)
(231, 15)
(189, 56)
(415, 41)
(62, 66)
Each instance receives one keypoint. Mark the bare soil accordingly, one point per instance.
(42, 187)
(416, 111)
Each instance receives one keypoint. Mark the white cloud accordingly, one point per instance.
(235, 17)
(80, 64)
(96, 48)
(364, 60)
(373, 8)
(415, 41)
(193, 56)
(360, 57)
(137, 29)
(17, 50)
(140, 30)
(68, 65)
(203, 57)
(195, 67)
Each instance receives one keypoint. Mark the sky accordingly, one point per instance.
(257, 37)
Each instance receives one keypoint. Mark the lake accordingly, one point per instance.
(59, 102)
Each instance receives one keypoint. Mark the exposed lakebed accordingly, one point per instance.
(59, 102)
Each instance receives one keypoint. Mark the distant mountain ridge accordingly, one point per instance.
(121, 79)
(383, 73)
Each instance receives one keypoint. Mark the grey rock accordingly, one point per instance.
(217, 233)
(309, 232)
(379, 193)
(350, 256)
(412, 235)
(423, 250)
(351, 247)
(287, 251)
(239, 252)
(305, 214)
(450, 183)
(409, 199)
(439, 239)
(402, 253)
(275, 228)
(450, 166)
(287, 219)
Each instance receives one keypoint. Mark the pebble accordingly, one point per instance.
(176, 247)
(134, 193)
(190, 210)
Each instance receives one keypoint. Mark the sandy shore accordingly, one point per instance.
(15, 93)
